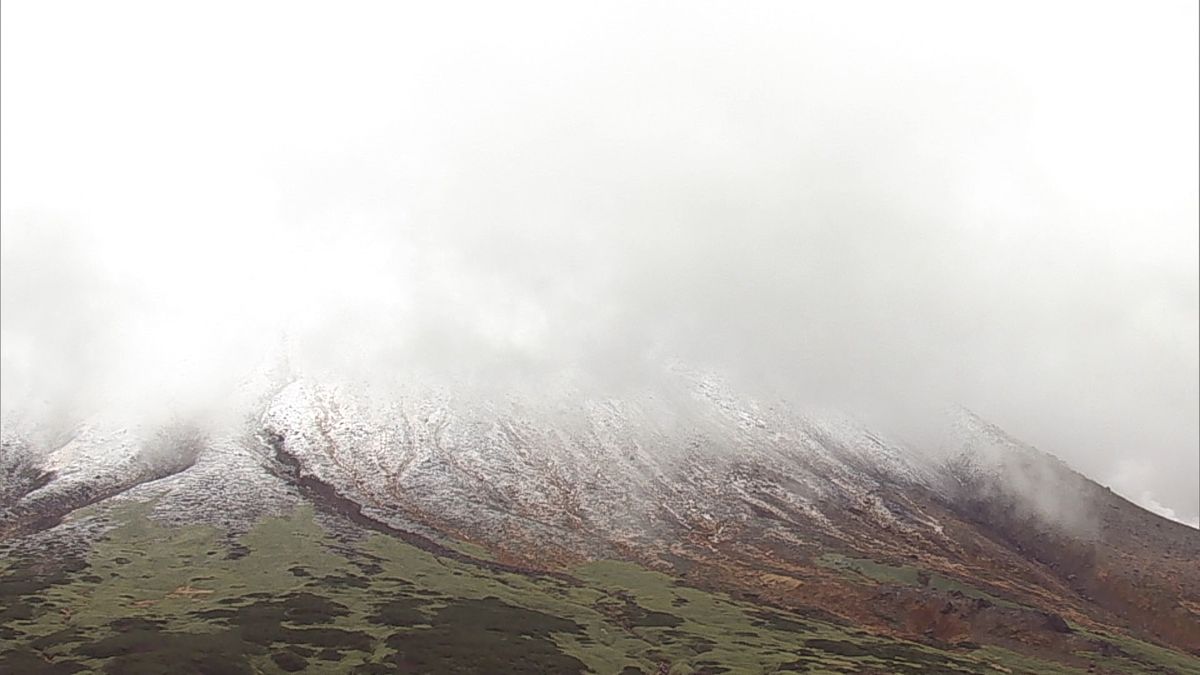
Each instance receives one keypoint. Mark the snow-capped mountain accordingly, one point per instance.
(793, 508)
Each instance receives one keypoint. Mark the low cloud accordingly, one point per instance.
(876, 208)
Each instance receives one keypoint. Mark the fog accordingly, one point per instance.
(874, 206)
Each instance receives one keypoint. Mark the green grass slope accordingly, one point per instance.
(291, 596)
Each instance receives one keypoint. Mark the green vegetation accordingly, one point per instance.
(906, 575)
(1118, 653)
(1130, 655)
(289, 596)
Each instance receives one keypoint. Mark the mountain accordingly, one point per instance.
(686, 529)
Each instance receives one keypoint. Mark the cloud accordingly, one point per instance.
(1130, 478)
(870, 206)
(1148, 502)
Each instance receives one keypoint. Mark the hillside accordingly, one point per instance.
(685, 530)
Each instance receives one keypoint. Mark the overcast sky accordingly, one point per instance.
(993, 204)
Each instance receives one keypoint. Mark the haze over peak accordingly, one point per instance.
(871, 207)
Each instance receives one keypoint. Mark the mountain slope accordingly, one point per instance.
(750, 537)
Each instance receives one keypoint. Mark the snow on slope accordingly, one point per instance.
(693, 459)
